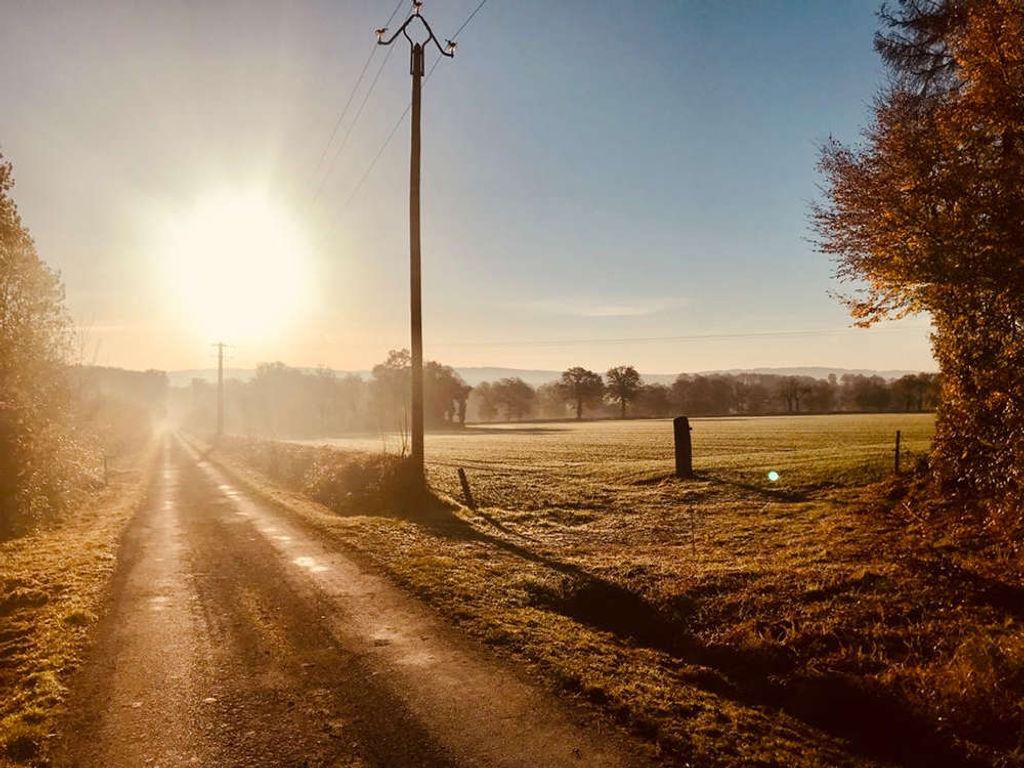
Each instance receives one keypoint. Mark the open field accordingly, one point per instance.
(730, 620)
(506, 461)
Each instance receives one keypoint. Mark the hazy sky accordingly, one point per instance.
(597, 177)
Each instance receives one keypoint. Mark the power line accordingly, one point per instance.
(344, 111)
(691, 337)
(391, 135)
(405, 114)
(352, 94)
(352, 125)
(469, 19)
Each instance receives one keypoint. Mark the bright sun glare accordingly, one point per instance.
(237, 266)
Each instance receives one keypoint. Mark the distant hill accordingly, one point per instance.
(534, 377)
(817, 372)
(184, 378)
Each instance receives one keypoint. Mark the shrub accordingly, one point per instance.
(348, 482)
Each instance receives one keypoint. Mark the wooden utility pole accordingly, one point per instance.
(415, 282)
(415, 274)
(220, 388)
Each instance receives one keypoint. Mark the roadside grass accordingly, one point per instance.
(52, 583)
(731, 620)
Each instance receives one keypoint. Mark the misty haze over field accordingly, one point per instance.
(476, 375)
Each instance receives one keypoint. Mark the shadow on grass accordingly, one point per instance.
(1004, 597)
(874, 722)
(496, 523)
(790, 495)
(714, 482)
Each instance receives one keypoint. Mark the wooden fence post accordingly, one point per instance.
(684, 448)
(896, 454)
(465, 489)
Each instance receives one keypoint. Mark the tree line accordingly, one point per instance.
(621, 392)
(58, 420)
(925, 214)
(285, 401)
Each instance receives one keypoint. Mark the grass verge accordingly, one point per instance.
(52, 586)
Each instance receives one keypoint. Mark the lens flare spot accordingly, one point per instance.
(773, 476)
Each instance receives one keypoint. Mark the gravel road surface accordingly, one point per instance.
(235, 637)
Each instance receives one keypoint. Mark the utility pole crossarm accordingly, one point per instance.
(448, 49)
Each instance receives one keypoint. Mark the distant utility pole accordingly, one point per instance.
(416, 69)
(220, 387)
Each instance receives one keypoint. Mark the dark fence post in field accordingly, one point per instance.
(684, 449)
(896, 454)
(465, 489)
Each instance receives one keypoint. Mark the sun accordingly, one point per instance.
(236, 266)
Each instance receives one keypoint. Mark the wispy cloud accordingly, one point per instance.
(604, 307)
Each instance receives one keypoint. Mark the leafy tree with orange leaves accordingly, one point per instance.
(927, 215)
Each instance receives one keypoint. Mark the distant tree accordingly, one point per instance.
(819, 396)
(752, 393)
(514, 396)
(680, 394)
(915, 391)
(325, 387)
(351, 396)
(391, 388)
(791, 389)
(699, 395)
(484, 399)
(550, 402)
(39, 462)
(866, 393)
(623, 384)
(581, 387)
(806, 394)
(927, 214)
(462, 402)
(653, 400)
(444, 393)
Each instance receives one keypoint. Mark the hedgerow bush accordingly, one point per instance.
(348, 482)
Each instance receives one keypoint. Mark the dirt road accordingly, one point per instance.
(236, 638)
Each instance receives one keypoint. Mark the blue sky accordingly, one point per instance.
(594, 174)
